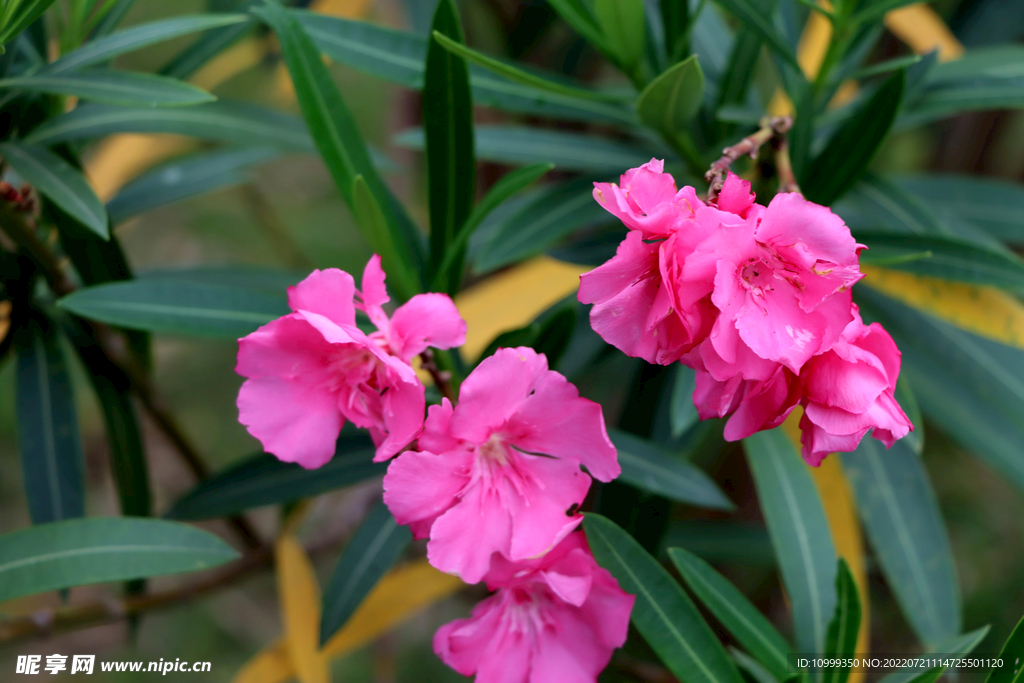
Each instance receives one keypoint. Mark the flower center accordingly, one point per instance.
(757, 276)
(493, 451)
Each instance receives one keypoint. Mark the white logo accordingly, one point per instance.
(83, 664)
(28, 664)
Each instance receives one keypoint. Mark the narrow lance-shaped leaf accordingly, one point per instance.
(186, 177)
(342, 148)
(1012, 655)
(370, 217)
(265, 480)
(59, 182)
(847, 155)
(799, 532)
(956, 645)
(371, 552)
(177, 307)
(51, 449)
(751, 14)
(137, 37)
(841, 642)
(112, 87)
(124, 438)
(904, 525)
(666, 618)
(675, 22)
(97, 550)
(753, 631)
(518, 75)
(28, 12)
(448, 126)
(646, 466)
(509, 185)
(946, 257)
(682, 411)
(576, 14)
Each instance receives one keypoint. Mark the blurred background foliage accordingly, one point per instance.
(287, 213)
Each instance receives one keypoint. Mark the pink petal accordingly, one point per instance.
(468, 555)
(633, 259)
(294, 421)
(834, 382)
(735, 196)
(555, 421)
(286, 347)
(426, 320)
(326, 292)
(374, 294)
(436, 437)
(777, 329)
(421, 486)
(404, 403)
(494, 391)
(764, 406)
(539, 505)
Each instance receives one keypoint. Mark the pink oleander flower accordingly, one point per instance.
(313, 369)
(636, 305)
(752, 405)
(500, 472)
(558, 618)
(849, 390)
(780, 280)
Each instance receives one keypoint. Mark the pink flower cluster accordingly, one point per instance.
(757, 300)
(493, 482)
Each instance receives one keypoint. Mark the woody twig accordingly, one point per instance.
(772, 130)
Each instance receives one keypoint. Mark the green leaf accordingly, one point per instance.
(343, 151)
(949, 258)
(876, 204)
(845, 625)
(800, 534)
(567, 151)
(124, 437)
(675, 22)
(510, 184)
(113, 87)
(848, 153)
(371, 219)
(517, 75)
(957, 645)
(397, 56)
(905, 397)
(1012, 655)
(448, 128)
(991, 205)
(751, 15)
(872, 11)
(265, 480)
(554, 215)
(902, 520)
(753, 668)
(186, 177)
(26, 14)
(885, 67)
(80, 552)
(624, 27)
(748, 626)
(576, 14)
(373, 549)
(177, 307)
(671, 100)
(650, 468)
(549, 334)
(682, 411)
(58, 181)
(104, 49)
(988, 62)
(969, 386)
(51, 449)
(666, 618)
(243, 124)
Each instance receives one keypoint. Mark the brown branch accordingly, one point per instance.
(442, 378)
(771, 129)
(784, 166)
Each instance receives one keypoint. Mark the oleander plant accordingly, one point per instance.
(607, 352)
